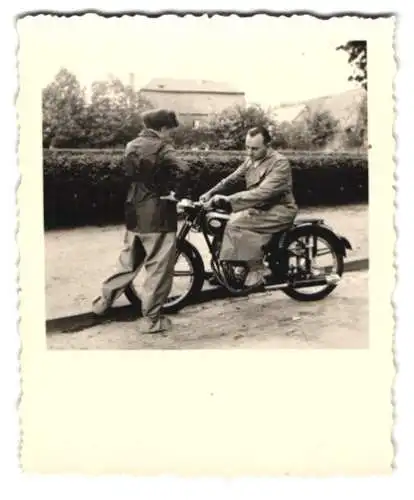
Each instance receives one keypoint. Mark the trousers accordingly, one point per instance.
(155, 252)
(248, 231)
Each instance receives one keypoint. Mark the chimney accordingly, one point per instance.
(132, 80)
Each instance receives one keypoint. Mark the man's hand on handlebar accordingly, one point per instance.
(207, 201)
(217, 200)
(204, 198)
(209, 198)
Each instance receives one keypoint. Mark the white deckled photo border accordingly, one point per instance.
(94, 413)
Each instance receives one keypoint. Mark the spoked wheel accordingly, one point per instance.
(311, 253)
(188, 280)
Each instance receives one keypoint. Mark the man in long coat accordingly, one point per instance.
(266, 206)
(151, 221)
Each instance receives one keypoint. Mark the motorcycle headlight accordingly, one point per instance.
(215, 223)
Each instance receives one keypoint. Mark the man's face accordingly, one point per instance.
(255, 147)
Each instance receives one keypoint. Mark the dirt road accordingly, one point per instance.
(265, 320)
(78, 260)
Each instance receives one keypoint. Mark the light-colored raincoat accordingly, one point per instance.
(266, 206)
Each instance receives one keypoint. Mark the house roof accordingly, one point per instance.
(175, 85)
(342, 106)
(289, 113)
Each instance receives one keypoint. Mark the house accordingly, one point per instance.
(290, 113)
(195, 101)
(344, 108)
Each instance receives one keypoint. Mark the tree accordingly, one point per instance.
(113, 116)
(63, 104)
(362, 123)
(186, 136)
(313, 131)
(322, 128)
(296, 135)
(280, 135)
(357, 58)
(231, 125)
(358, 135)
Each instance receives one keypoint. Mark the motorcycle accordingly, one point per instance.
(290, 258)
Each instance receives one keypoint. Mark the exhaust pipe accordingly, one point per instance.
(332, 279)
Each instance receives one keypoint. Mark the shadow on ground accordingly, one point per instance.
(125, 314)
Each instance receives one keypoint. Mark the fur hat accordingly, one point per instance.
(158, 118)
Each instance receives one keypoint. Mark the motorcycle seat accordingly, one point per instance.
(307, 220)
(220, 211)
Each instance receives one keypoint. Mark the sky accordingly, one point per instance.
(272, 60)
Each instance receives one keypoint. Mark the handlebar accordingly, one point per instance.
(170, 197)
(183, 203)
(186, 203)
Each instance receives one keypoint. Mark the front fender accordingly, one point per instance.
(185, 246)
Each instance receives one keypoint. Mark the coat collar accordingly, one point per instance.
(149, 132)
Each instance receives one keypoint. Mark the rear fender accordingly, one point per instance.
(341, 244)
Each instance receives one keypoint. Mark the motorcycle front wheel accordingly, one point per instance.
(187, 282)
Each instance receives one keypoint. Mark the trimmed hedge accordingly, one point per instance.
(87, 187)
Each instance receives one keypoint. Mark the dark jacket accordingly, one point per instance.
(150, 163)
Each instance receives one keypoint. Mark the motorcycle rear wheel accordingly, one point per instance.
(331, 242)
(175, 303)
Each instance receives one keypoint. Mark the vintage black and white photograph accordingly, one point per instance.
(206, 243)
(207, 198)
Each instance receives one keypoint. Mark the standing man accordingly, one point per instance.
(151, 222)
(265, 207)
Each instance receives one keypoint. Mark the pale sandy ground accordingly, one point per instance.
(266, 320)
(77, 261)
